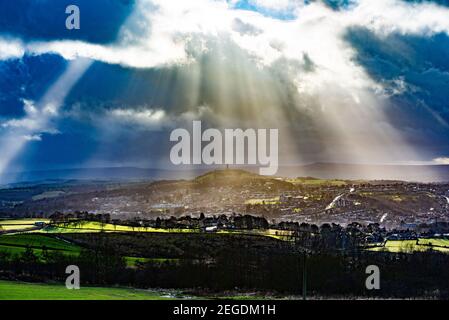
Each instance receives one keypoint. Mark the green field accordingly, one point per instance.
(19, 224)
(10, 290)
(38, 252)
(441, 245)
(435, 242)
(50, 237)
(15, 290)
(37, 241)
(93, 226)
(317, 182)
(18, 244)
(22, 221)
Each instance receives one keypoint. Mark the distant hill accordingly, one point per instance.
(226, 175)
(106, 174)
(238, 178)
(422, 173)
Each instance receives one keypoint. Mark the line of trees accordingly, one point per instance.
(402, 275)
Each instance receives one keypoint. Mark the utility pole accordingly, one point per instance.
(304, 275)
(304, 266)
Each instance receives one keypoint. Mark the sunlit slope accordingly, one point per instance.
(10, 290)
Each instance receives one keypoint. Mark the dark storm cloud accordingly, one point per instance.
(439, 2)
(421, 67)
(262, 82)
(339, 4)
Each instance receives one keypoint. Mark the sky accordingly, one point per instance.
(354, 81)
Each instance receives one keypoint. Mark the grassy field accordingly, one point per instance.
(16, 227)
(22, 221)
(38, 252)
(15, 290)
(51, 237)
(441, 245)
(317, 182)
(37, 241)
(19, 225)
(93, 226)
(271, 201)
(435, 242)
(18, 243)
(10, 290)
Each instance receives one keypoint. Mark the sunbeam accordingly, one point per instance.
(38, 117)
(232, 66)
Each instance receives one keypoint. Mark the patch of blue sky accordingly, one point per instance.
(45, 19)
(28, 78)
(284, 14)
(288, 12)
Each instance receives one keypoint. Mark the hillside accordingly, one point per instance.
(344, 171)
(238, 178)
(341, 171)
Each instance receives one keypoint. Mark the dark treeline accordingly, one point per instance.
(331, 235)
(373, 232)
(242, 266)
(336, 258)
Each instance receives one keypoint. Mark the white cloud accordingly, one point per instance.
(11, 49)
(387, 16)
(153, 38)
(441, 160)
(34, 137)
(144, 117)
(31, 120)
